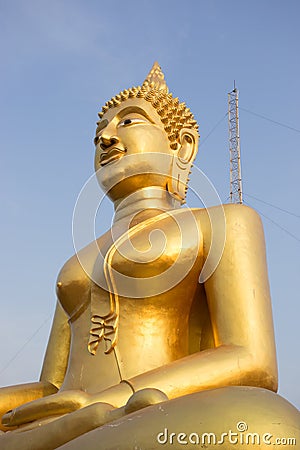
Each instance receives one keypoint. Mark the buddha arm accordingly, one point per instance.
(53, 371)
(58, 348)
(239, 304)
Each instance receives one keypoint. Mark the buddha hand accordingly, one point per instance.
(56, 404)
(68, 401)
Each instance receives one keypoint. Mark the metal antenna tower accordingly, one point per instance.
(236, 192)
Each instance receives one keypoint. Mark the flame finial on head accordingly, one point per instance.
(156, 79)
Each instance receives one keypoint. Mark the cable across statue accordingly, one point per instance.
(141, 354)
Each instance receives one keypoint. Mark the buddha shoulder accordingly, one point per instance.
(236, 218)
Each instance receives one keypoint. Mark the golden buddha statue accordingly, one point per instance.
(141, 354)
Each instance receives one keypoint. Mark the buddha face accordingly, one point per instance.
(133, 127)
(132, 149)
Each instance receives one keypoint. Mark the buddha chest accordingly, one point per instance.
(122, 277)
(134, 295)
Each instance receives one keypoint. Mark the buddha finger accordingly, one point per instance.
(56, 404)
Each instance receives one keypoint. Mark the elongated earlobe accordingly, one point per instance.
(182, 163)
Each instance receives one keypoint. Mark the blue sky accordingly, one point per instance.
(61, 60)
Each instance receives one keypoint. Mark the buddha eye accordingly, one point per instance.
(134, 120)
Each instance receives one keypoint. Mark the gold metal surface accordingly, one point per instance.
(133, 325)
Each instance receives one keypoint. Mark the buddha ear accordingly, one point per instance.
(182, 163)
(188, 145)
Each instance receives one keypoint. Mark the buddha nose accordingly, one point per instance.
(108, 139)
(106, 142)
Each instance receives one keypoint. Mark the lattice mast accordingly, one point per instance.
(236, 191)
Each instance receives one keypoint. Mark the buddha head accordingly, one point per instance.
(145, 137)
